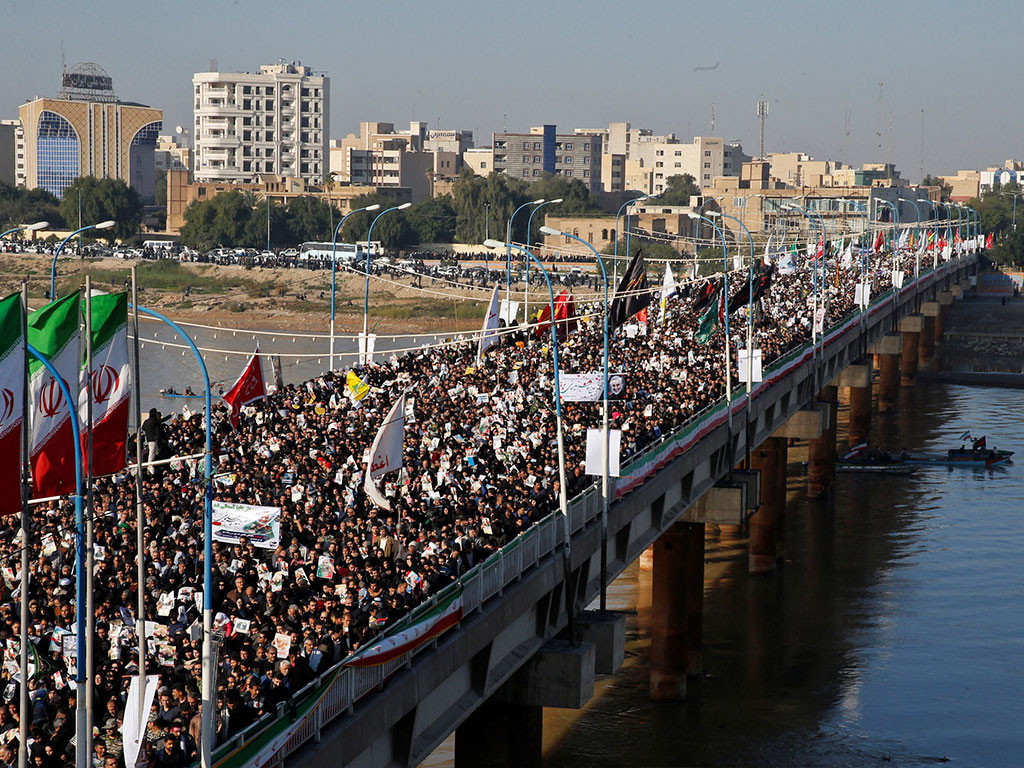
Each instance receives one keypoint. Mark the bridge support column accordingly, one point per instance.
(911, 328)
(887, 351)
(770, 459)
(945, 300)
(926, 349)
(677, 596)
(821, 451)
(500, 735)
(857, 379)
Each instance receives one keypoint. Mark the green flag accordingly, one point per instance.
(707, 324)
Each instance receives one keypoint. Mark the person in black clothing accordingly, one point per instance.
(153, 430)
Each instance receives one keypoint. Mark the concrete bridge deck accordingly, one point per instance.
(509, 647)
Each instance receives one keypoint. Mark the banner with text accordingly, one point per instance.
(234, 522)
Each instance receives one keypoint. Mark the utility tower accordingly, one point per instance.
(762, 113)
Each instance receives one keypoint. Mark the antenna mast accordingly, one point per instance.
(762, 113)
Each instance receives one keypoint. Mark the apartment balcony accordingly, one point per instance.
(207, 109)
(228, 141)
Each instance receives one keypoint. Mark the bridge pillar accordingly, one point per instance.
(945, 299)
(910, 327)
(821, 451)
(926, 350)
(677, 595)
(857, 379)
(770, 459)
(887, 351)
(500, 735)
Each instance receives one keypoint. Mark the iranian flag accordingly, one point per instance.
(12, 391)
(107, 383)
(435, 620)
(53, 330)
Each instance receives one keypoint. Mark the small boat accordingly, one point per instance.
(961, 458)
(864, 459)
(170, 392)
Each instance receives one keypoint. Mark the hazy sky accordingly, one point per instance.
(580, 64)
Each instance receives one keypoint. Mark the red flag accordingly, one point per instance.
(565, 315)
(988, 240)
(249, 387)
(543, 321)
(879, 242)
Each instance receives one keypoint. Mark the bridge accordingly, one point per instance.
(516, 649)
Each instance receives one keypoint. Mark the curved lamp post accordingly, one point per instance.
(725, 298)
(529, 229)
(563, 503)
(26, 228)
(508, 250)
(814, 283)
(750, 289)
(53, 268)
(605, 482)
(366, 290)
(615, 251)
(334, 252)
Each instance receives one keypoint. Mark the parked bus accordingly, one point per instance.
(159, 245)
(346, 252)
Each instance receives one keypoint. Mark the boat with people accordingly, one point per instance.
(171, 392)
(978, 455)
(863, 458)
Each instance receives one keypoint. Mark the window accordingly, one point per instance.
(586, 174)
(604, 234)
(526, 171)
(246, 90)
(659, 164)
(678, 153)
(536, 158)
(536, 145)
(536, 171)
(677, 165)
(483, 164)
(247, 104)
(568, 147)
(268, 104)
(586, 147)
(586, 160)
(568, 160)
(568, 171)
(57, 150)
(660, 152)
(526, 145)
(269, 90)
(707, 153)
(526, 158)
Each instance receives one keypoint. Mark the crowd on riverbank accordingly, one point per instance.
(480, 466)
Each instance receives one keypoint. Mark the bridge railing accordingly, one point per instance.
(268, 742)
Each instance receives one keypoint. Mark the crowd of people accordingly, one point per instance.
(480, 467)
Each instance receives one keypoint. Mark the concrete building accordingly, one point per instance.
(280, 189)
(479, 159)
(381, 156)
(274, 121)
(88, 131)
(7, 152)
(528, 156)
(966, 185)
(17, 158)
(171, 155)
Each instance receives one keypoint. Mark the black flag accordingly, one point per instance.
(633, 293)
(705, 295)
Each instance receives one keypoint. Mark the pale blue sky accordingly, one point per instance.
(579, 64)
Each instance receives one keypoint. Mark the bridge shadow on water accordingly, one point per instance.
(788, 657)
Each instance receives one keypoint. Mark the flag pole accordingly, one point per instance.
(140, 522)
(23, 706)
(90, 612)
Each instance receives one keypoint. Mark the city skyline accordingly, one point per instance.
(486, 69)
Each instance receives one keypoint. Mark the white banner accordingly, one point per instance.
(755, 364)
(386, 451)
(133, 730)
(489, 333)
(367, 342)
(897, 278)
(233, 522)
(819, 320)
(595, 452)
(509, 311)
(587, 387)
(862, 294)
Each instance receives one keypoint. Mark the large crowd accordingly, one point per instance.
(480, 467)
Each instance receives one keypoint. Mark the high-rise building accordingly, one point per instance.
(88, 131)
(275, 121)
(528, 156)
(11, 129)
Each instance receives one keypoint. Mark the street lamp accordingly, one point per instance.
(605, 483)
(814, 283)
(562, 497)
(27, 228)
(334, 253)
(750, 294)
(366, 291)
(725, 298)
(615, 252)
(508, 251)
(529, 229)
(53, 267)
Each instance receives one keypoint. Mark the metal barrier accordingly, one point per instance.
(478, 585)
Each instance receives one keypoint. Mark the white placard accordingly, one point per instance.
(755, 365)
(862, 294)
(595, 452)
(367, 343)
(587, 387)
(897, 278)
(260, 525)
(509, 311)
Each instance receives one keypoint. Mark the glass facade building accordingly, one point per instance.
(57, 149)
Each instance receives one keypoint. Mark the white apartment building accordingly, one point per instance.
(274, 121)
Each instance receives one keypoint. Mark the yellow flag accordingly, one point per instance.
(357, 388)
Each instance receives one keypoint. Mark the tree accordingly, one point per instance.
(103, 200)
(27, 206)
(310, 219)
(433, 220)
(494, 198)
(218, 222)
(160, 190)
(678, 191)
(393, 230)
(936, 181)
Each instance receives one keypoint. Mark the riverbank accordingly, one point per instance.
(278, 299)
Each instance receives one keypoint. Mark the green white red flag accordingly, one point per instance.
(53, 330)
(12, 392)
(108, 384)
(446, 614)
